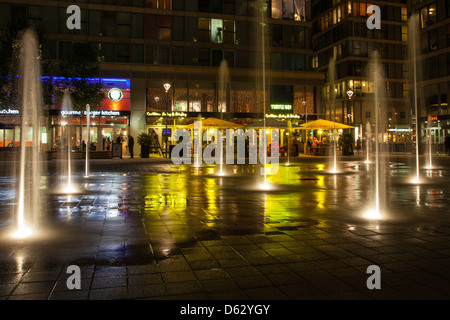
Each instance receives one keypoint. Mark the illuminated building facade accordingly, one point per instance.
(150, 42)
(340, 30)
(433, 66)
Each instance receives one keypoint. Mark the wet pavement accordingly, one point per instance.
(147, 229)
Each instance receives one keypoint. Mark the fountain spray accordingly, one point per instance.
(29, 206)
(88, 144)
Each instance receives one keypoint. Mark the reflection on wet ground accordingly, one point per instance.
(185, 226)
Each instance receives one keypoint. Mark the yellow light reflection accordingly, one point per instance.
(320, 167)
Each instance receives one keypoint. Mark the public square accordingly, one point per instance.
(149, 229)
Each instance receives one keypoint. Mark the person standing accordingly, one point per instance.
(309, 144)
(447, 144)
(107, 143)
(131, 145)
(358, 144)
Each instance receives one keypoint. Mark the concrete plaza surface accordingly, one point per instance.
(147, 229)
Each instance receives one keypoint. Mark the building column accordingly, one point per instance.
(137, 110)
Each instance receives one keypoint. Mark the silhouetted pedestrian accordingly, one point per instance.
(107, 143)
(131, 145)
(447, 144)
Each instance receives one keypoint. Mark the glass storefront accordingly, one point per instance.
(109, 124)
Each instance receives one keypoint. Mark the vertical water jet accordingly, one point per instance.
(29, 191)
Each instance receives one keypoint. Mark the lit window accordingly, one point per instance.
(216, 30)
(404, 14)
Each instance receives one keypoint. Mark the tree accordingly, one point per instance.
(78, 68)
(9, 51)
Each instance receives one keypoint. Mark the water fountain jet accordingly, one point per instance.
(66, 170)
(332, 79)
(223, 86)
(413, 29)
(378, 207)
(29, 191)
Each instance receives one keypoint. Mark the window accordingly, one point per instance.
(229, 31)
(164, 55)
(292, 10)
(229, 58)
(362, 9)
(299, 39)
(49, 51)
(178, 28)
(34, 15)
(404, 34)
(49, 18)
(151, 54)
(109, 24)
(177, 56)
(204, 5)
(178, 4)
(433, 40)
(315, 62)
(204, 57)
(191, 5)
(137, 53)
(137, 25)
(190, 29)
(277, 61)
(151, 26)
(123, 52)
(108, 52)
(216, 30)
(368, 115)
(165, 27)
(123, 24)
(159, 4)
(204, 30)
(277, 35)
(404, 14)
(217, 6)
(229, 6)
(428, 15)
(241, 8)
(217, 57)
(288, 36)
(5, 14)
(191, 56)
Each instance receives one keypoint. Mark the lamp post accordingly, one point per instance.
(167, 88)
(350, 94)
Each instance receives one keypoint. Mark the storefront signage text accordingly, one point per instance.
(280, 107)
(9, 112)
(283, 116)
(435, 118)
(163, 114)
(95, 113)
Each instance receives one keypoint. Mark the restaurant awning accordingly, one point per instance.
(217, 124)
(324, 125)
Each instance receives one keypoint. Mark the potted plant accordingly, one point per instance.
(346, 141)
(145, 141)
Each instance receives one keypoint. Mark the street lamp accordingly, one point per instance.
(350, 94)
(167, 88)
